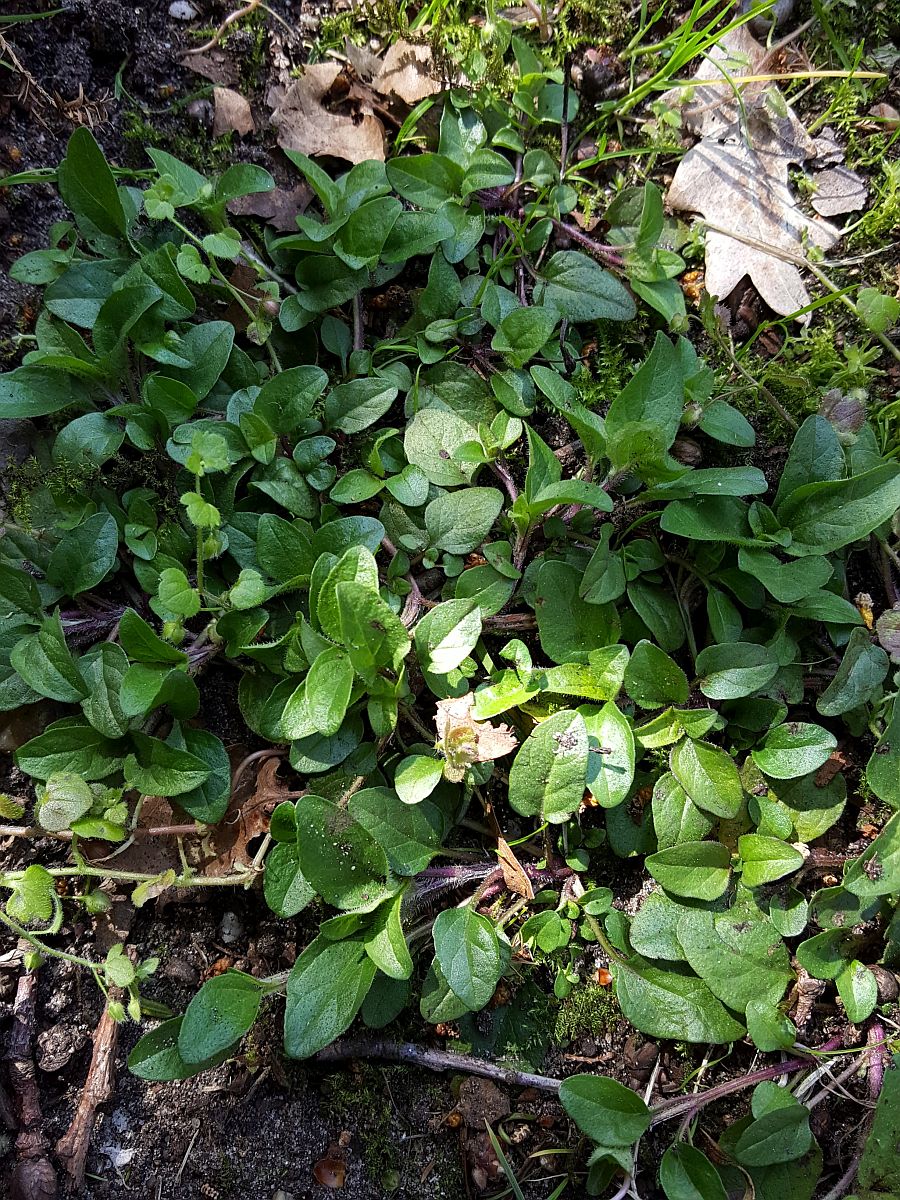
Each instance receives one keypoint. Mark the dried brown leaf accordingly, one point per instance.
(232, 113)
(513, 873)
(454, 717)
(226, 847)
(306, 124)
(215, 65)
(278, 208)
(737, 176)
(838, 190)
(408, 73)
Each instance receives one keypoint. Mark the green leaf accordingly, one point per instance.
(877, 870)
(207, 348)
(816, 456)
(857, 680)
(18, 593)
(34, 391)
(523, 333)
(687, 1174)
(653, 395)
(416, 777)
(360, 240)
(175, 596)
(824, 517)
(765, 859)
(156, 1059)
(739, 959)
(65, 798)
(427, 180)
(158, 769)
(652, 679)
(88, 441)
(430, 442)
(69, 745)
(672, 1003)
(447, 634)
(794, 749)
(611, 762)
(734, 669)
(385, 943)
(218, 1016)
(458, 522)
(570, 629)
(33, 898)
(580, 289)
(208, 802)
(549, 772)
(698, 870)
(469, 954)
(325, 990)
(284, 549)
(877, 311)
(339, 857)
(779, 1136)
(329, 685)
(607, 1111)
(858, 990)
(883, 769)
(85, 555)
(354, 406)
(675, 816)
(709, 777)
(147, 687)
(143, 645)
(371, 632)
(878, 1167)
(88, 187)
(410, 835)
(285, 887)
(44, 661)
(787, 582)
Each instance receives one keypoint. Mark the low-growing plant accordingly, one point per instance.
(378, 537)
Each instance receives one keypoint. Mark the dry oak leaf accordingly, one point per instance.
(306, 125)
(407, 72)
(737, 177)
(454, 716)
(232, 112)
(278, 208)
(838, 190)
(216, 66)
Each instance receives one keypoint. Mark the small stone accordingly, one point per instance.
(200, 113)
(231, 929)
(181, 10)
(180, 971)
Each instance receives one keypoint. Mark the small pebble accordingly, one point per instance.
(200, 113)
(180, 971)
(181, 10)
(231, 929)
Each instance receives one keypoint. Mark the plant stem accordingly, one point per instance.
(434, 1060)
(185, 880)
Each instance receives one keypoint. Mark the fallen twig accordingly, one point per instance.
(34, 1177)
(72, 1147)
(433, 1060)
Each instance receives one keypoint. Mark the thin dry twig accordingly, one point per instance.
(34, 1177)
(72, 1147)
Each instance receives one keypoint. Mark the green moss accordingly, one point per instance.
(587, 1011)
(591, 23)
(203, 152)
(346, 1097)
(881, 221)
